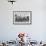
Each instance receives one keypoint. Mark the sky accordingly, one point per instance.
(37, 30)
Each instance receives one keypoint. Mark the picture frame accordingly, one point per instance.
(22, 17)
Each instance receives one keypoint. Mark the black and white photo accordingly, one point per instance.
(22, 17)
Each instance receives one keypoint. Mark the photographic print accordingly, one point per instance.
(22, 17)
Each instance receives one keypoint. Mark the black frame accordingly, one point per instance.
(23, 23)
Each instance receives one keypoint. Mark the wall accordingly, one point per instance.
(9, 31)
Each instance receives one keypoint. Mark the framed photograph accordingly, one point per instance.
(22, 17)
